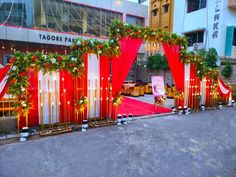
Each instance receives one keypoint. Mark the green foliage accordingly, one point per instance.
(227, 70)
(211, 58)
(157, 61)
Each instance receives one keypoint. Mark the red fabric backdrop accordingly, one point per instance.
(121, 65)
(104, 74)
(175, 64)
(3, 72)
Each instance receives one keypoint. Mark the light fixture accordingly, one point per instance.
(152, 47)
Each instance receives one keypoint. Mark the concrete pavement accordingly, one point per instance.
(201, 144)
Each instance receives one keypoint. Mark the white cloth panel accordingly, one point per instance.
(3, 83)
(48, 90)
(186, 83)
(203, 91)
(93, 85)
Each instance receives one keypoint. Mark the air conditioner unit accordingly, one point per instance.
(198, 46)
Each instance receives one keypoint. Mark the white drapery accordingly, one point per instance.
(186, 83)
(48, 97)
(93, 85)
(203, 91)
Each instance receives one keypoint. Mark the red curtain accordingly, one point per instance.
(33, 91)
(175, 64)
(67, 97)
(121, 65)
(104, 74)
(67, 111)
(3, 73)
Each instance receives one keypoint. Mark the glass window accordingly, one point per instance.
(154, 12)
(195, 37)
(70, 17)
(234, 37)
(134, 20)
(13, 13)
(165, 8)
(194, 5)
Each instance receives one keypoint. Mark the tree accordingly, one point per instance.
(211, 58)
(157, 61)
(227, 70)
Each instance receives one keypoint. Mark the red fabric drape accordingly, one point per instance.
(208, 91)
(67, 111)
(104, 74)
(121, 65)
(67, 97)
(225, 95)
(33, 91)
(3, 72)
(33, 117)
(175, 64)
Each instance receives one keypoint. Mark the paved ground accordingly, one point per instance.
(201, 144)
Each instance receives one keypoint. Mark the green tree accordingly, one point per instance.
(211, 57)
(227, 70)
(157, 61)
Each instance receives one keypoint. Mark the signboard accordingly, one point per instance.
(158, 88)
(38, 36)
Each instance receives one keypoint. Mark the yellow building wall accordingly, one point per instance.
(161, 14)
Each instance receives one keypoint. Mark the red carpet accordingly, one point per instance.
(140, 108)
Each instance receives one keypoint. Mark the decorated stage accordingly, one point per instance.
(56, 90)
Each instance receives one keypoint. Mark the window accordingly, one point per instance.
(6, 59)
(234, 37)
(14, 13)
(134, 20)
(165, 8)
(195, 37)
(75, 18)
(194, 5)
(154, 12)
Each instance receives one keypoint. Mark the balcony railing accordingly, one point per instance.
(232, 4)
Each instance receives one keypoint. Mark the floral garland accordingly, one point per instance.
(81, 46)
(21, 63)
(81, 104)
(159, 100)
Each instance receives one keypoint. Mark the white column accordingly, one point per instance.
(93, 84)
(48, 85)
(186, 83)
(203, 91)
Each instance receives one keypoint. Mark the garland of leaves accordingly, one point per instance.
(20, 64)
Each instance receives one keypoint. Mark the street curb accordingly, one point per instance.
(153, 115)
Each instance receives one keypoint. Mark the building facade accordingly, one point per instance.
(161, 14)
(52, 25)
(207, 23)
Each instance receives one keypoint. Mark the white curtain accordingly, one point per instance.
(186, 83)
(48, 97)
(203, 91)
(93, 85)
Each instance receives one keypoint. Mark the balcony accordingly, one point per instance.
(232, 4)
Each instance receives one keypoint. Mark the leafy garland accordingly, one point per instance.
(80, 47)
(21, 63)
